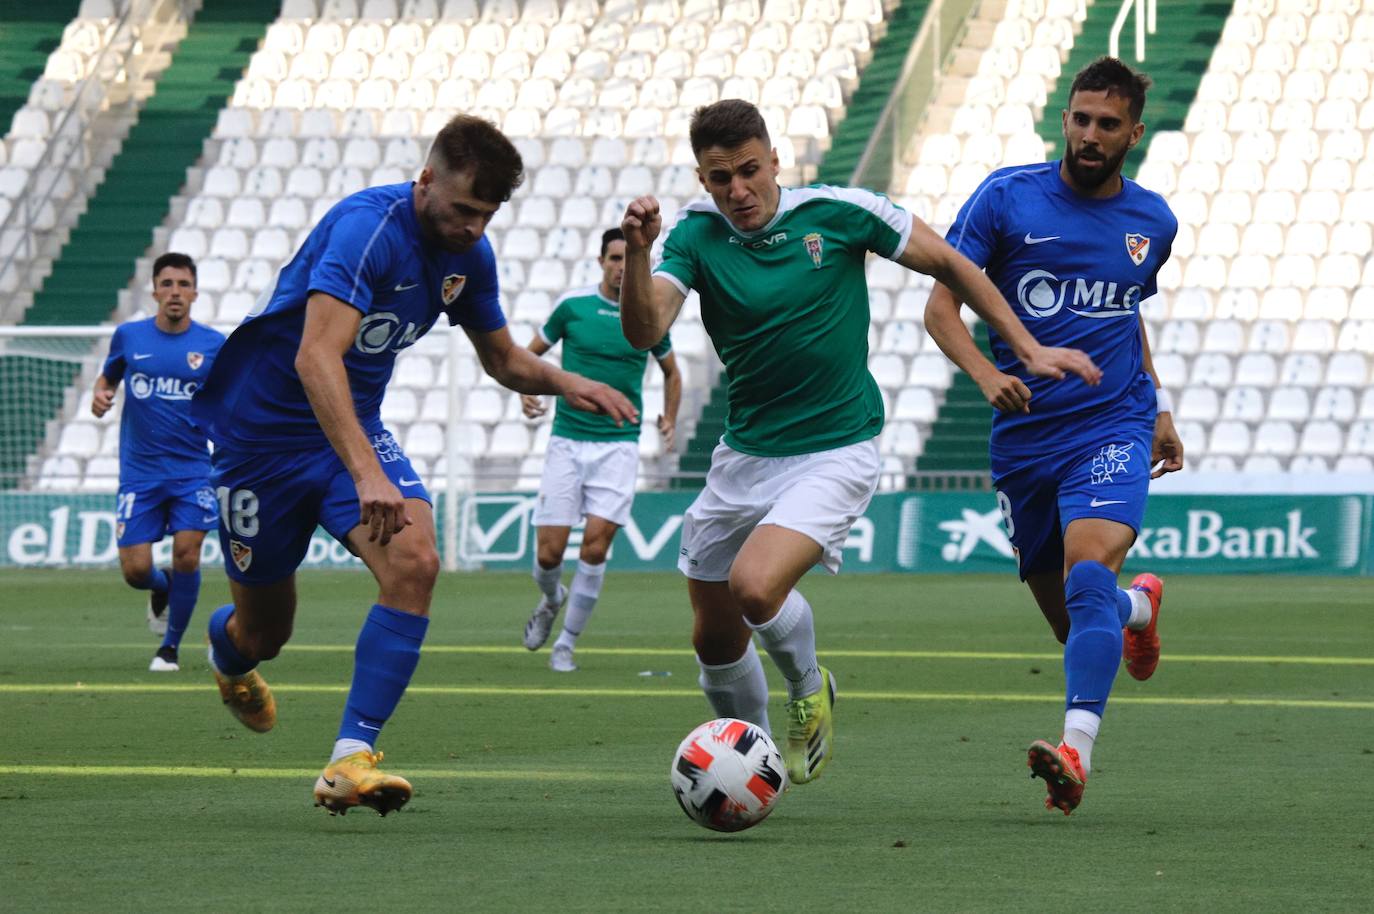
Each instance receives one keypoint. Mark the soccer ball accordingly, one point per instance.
(727, 775)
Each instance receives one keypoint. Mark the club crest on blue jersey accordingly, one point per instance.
(453, 287)
(815, 244)
(1138, 246)
(1110, 462)
(194, 359)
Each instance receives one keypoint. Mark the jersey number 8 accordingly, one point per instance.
(239, 510)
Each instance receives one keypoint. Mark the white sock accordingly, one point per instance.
(1080, 732)
(547, 579)
(343, 747)
(1140, 610)
(737, 689)
(586, 589)
(790, 639)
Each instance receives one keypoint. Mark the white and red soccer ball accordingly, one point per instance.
(727, 775)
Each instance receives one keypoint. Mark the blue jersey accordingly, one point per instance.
(1075, 270)
(367, 252)
(156, 437)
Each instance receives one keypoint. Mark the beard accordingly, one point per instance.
(1091, 179)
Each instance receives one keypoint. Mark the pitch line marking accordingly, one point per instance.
(859, 654)
(301, 773)
(529, 692)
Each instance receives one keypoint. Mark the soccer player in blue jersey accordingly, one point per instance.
(1075, 247)
(293, 409)
(164, 462)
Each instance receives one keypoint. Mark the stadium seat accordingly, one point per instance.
(509, 439)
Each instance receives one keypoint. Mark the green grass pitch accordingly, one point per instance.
(1238, 779)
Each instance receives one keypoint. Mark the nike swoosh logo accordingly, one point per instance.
(209, 519)
(414, 285)
(407, 482)
(1029, 240)
(1095, 503)
(369, 727)
(139, 356)
(327, 781)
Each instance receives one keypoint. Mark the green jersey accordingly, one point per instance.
(786, 308)
(594, 346)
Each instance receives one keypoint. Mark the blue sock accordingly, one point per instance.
(1123, 606)
(1092, 654)
(227, 658)
(158, 582)
(386, 656)
(181, 602)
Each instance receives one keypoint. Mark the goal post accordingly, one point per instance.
(44, 372)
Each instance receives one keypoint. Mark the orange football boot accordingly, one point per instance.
(1140, 649)
(1062, 772)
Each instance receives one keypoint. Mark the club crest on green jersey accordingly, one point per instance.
(1138, 246)
(815, 244)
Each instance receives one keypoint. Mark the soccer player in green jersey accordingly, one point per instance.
(780, 272)
(592, 462)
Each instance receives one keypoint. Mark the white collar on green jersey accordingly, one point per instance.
(586, 292)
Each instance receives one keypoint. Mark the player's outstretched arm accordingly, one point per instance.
(928, 253)
(533, 405)
(1167, 453)
(520, 370)
(330, 328)
(103, 397)
(648, 305)
(1005, 392)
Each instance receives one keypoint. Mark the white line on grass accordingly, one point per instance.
(187, 771)
(855, 653)
(527, 692)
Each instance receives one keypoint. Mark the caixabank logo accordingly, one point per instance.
(1182, 533)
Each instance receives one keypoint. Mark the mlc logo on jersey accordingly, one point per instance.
(143, 386)
(1041, 294)
(1138, 246)
(381, 331)
(453, 287)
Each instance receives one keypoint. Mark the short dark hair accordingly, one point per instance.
(173, 259)
(727, 123)
(1110, 75)
(472, 143)
(611, 234)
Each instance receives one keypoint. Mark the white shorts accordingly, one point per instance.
(819, 495)
(584, 478)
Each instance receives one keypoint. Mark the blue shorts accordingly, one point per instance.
(147, 510)
(1109, 479)
(273, 503)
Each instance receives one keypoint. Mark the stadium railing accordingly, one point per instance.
(73, 135)
(906, 106)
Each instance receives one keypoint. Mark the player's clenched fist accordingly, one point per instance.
(642, 223)
(532, 406)
(101, 401)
